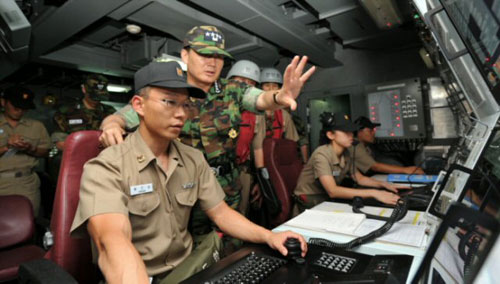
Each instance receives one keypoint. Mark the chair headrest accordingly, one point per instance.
(16, 220)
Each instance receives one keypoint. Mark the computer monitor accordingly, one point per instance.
(487, 272)
(469, 227)
(478, 23)
(459, 246)
(478, 187)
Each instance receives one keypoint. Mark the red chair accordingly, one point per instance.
(284, 164)
(73, 255)
(17, 226)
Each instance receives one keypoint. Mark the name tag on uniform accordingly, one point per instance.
(1, 130)
(141, 189)
(336, 173)
(188, 185)
(75, 121)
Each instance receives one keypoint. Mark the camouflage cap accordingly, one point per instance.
(206, 40)
(96, 85)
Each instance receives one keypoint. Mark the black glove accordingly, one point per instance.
(271, 201)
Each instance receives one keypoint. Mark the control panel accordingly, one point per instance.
(398, 107)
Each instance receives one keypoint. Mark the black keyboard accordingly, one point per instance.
(336, 262)
(253, 268)
(260, 264)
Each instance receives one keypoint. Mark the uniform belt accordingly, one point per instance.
(16, 174)
(223, 169)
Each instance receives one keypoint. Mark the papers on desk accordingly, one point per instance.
(405, 234)
(344, 223)
(357, 225)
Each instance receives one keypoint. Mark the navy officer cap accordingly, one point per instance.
(365, 122)
(165, 75)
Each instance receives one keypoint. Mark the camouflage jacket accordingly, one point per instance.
(213, 125)
(74, 117)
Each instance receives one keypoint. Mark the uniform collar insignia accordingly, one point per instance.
(217, 87)
(233, 133)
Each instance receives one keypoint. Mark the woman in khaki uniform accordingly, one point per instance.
(330, 164)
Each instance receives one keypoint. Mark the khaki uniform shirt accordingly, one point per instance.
(13, 161)
(363, 158)
(158, 204)
(289, 130)
(323, 162)
(213, 126)
(33, 131)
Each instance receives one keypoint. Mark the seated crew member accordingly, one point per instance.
(330, 164)
(363, 155)
(22, 142)
(213, 125)
(247, 72)
(278, 123)
(138, 209)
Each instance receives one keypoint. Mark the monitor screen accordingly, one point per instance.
(478, 23)
(483, 191)
(459, 246)
(469, 228)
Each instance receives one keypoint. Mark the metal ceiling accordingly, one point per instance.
(90, 35)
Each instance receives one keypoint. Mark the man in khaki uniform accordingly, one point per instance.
(22, 142)
(278, 123)
(363, 155)
(330, 163)
(137, 211)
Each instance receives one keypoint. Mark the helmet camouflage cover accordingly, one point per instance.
(206, 40)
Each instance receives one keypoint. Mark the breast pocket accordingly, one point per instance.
(143, 204)
(185, 201)
(223, 124)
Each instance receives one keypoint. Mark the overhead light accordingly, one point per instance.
(118, 88)
(385, 13)
(166, 58)
(133, 29)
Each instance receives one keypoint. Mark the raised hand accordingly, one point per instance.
(293, 80)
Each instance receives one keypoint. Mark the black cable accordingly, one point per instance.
(400, 210)
(357, 204)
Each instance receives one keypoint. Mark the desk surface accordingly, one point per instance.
(371, 248)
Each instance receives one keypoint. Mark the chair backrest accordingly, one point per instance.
(72, 254)
(16, 220)
(284, 164)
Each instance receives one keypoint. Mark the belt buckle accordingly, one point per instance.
(216, 170)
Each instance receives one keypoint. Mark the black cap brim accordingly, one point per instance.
(349, 127)
(23, 105)
(175, 84)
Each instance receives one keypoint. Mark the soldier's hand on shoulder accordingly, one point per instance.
(112, 134)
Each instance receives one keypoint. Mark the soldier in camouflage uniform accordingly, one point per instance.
(86, 114)
(213, 124)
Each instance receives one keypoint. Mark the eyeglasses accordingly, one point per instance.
(174, 105)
